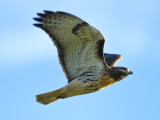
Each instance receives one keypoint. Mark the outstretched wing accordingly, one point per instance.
(80, 46)
(111, 59)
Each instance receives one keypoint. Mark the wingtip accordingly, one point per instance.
(41, 15)
(48, 12)
(119, 56)
(38, 19)
(38, 25)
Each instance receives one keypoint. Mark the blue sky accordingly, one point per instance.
(29, 63)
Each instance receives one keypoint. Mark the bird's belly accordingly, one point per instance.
(80, 87)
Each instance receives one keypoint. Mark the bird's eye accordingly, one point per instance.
(125, 70)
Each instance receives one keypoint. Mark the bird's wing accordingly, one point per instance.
(111, 59)
(80, 46)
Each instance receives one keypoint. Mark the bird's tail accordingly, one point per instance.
(49, 97)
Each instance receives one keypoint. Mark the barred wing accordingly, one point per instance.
(80, 46)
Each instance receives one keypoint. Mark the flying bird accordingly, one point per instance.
(80, 51)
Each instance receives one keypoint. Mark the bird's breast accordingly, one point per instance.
(105, 81)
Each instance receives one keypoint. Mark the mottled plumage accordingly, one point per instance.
(80, 52)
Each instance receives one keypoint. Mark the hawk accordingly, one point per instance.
(80, 51)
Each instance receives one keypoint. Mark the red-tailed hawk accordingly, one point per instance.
(80, 51)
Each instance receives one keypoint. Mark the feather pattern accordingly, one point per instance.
(80, 51)
(79, 45)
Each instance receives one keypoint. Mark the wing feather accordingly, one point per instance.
(80, 46)
(111, 59)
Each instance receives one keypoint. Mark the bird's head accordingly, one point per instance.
(118, 73)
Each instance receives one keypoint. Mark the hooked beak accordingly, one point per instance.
(130, 72)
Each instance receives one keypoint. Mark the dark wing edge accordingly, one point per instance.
(99, 43)
(111, 59)
(54, 39)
